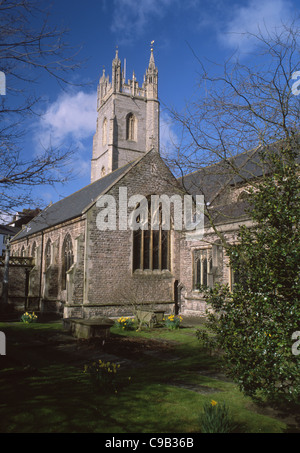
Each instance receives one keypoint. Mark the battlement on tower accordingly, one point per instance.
(132, 88)
(128, 118)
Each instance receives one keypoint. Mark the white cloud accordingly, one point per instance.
(69, 123)
(70, 119)
(168, 137)
(256, 16)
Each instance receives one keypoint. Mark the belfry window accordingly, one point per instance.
(104, 132)
(151, 247)
(131, 127)
(67, 259)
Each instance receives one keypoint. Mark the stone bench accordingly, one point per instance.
(88, 328)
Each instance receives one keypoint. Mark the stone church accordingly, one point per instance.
(81, 270)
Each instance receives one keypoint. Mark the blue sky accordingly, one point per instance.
(211, 29)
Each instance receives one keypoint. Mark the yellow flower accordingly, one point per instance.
(213, 403)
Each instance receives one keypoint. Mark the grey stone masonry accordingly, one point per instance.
(128, 119)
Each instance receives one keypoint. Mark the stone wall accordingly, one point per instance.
(16, 287)
(45, 282)
(110, 280)
(193, 302)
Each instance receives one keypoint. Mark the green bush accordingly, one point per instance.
(253, 322)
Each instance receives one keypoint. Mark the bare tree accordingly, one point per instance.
(29, 48)
(244, 111)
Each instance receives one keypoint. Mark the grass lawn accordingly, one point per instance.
(167, 378)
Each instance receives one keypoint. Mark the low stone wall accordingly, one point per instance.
(86, 311)
(194, 305)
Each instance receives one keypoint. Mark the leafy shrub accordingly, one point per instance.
(254, 321)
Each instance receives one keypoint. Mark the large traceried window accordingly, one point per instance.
(67, 259)
(151, 247)
(202, 267)
(131, 127)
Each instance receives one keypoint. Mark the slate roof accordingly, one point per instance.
(213, 178)
(72, 206)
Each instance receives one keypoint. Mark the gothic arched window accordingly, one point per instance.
(104, 132)
(202, 267)
(131, 127)
(103, 171)
(151, 247)
(33, 250)
(48, 254)
(67, 259)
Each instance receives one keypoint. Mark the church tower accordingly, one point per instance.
(128, 118)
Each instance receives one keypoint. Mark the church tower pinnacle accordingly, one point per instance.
(116, 73)
(152, 137)
(128, 118)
